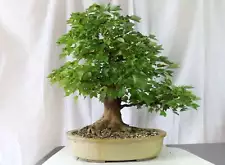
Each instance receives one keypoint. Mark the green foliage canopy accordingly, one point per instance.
(110, 59)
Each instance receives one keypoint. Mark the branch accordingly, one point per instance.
(130, 105)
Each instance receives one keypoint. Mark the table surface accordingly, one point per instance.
(214, 153)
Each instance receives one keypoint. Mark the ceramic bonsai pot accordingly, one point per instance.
(101, 150)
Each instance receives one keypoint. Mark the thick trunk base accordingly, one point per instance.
(111, 118)
(103, 124)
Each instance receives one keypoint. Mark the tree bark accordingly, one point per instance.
(112, 111)
(111, 118)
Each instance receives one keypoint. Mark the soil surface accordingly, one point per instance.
(134, 132)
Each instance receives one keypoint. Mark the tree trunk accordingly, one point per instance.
(111, 118)
(112, 111)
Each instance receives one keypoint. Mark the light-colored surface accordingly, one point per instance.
(168, 156)
(32, 113)
(117, 149)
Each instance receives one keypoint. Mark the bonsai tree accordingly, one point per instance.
(118, 65)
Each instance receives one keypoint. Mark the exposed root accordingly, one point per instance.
(103, 124)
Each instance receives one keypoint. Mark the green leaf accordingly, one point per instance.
(173, 66)
(120, 39)
(152, 37)
(121, 92)
(194, 105)
(115, 8)
(183, 109)
(76, 98)
(150, 109)
(163, 113)
(63, 39)
(135, 18)
(188, 87)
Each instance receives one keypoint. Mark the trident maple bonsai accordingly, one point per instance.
(118, 65)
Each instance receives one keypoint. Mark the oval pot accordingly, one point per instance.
(116, 149)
